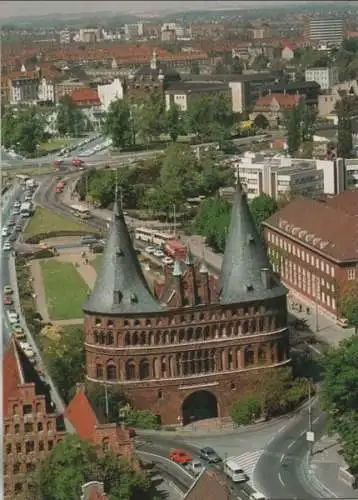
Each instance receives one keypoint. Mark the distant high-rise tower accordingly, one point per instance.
(329, 32)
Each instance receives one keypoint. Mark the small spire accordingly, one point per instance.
(177, 269)
(189, 259)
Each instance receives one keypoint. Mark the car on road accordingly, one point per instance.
(13, 316)
(6, 246)
(159, 253)
(11, 222)
(18, 328)
(89, 240)
(180, 457)
(13, 237)
(256, 495)
(209, 455)
(4, 232)
(17, 204)
(168, 261)
(8, 300)
(150, 249)
(15, 212)
(195, 467)
(8, 290)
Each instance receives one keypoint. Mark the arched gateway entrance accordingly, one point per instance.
(198, 406)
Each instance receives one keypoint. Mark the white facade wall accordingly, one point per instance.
(46, 91)
(110, 92)
(325, 77)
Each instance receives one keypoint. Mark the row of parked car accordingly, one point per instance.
(157, 252)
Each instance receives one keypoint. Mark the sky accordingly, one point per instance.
(39, 8)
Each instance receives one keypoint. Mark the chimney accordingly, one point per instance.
(266, 277)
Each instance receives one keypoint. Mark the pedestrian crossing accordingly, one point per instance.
(248, 461)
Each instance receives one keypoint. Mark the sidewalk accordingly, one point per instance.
(327, 467)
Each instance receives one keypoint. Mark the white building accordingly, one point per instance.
(280, 175)
(23, 89)
(110, 92)
(179, 30)
(327, 31)
(325, 77)
(46, 92)
(65, 36)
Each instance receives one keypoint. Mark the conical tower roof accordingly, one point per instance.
(121, 287)
(245, 258)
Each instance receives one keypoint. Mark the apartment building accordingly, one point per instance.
(327, 102)
(110, 92)
(313, 247)
(23, 87)
(31, 427)
(325, 77)
(183, 93)
(279, 175)
(46, 91)
(329, 32)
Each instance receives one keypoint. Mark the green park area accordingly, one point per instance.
(64, 288)
(56, 144)
(46, 221)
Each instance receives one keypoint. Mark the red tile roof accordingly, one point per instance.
(208, 486)
(325, 228)
(291, 46)
(85, 95)
(285, 101)
(82, 416)
(346, 202)
(12, 374)
(23, 74)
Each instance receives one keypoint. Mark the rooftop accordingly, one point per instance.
(285, 101)
(208, 486)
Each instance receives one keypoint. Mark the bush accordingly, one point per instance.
(246, 410)
(144, 419)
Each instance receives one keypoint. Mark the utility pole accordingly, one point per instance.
(310, 433)
(317, 298)
(174, 217)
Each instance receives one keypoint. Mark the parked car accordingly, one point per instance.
(6, 246)
(11, 222)
(4, 232)
(150, 249)
(195, 467)
(13, 317)
(16, 211)
(342, 322)
(18, 328)
(8, 290)
(159, 253)
(168, 261)
(209, 455)
(13, 237)
(8, 300)
(180, 457)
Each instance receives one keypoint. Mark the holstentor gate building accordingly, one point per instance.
(200, 344)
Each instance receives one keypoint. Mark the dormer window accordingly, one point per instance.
(133, 298)
(249, 288)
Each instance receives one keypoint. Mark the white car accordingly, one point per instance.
(168, 261)
(17, 204)
(195, 467)
(158, 253)
(6, 246)
(149, 249)
(16, 211)
(4, 232)
(13, 317)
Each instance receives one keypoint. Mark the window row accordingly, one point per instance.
(101, 323)
(29, 427)
(29, 447)
(27, 409)
(251, 326)
(201, 361)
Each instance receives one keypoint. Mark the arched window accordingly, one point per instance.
(127, 339)
(230, 359)
(166, 337)
(164, 367)
(130, 370)
(144, 371)
(248, 356)
(142, 339)
(16, 410)
(198, 334)
(151, 338)
(157, 338)
(99, 370)
(172, 336)
(105, 444)
(111, 371)
(189, 334)
(262, 355)
(102, 339)
(181, 336)
(134, 338)
(110, 338)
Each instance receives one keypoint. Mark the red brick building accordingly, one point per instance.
(209, 486)
(314, 247)
(193, 351)
(31, 428)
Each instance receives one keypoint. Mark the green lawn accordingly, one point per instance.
(46, 169)
(45, 221)
(65, 289)
(56, 144)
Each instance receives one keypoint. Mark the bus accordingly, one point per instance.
(80, 211)
(162, 238)
(144, 234)
(26, 209)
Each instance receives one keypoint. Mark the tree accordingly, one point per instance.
(246, 410)
(118, 124)
(308, 118)
(70, 119)
(262, 207)
(65, 358)
(237, 66)
(173, 122)
(8, 127)
(345, 132)
(28, 130)
(74, 462)
(349, 303)
(212, 221)
(293, 128)
(152, 117)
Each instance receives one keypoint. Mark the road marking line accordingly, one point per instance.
(302, 433)
(291, 444)
(167, 460)
(281, 428)
(280, 479)
(316, 420)
(282, 458)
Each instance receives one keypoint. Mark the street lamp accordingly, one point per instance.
(310, 434)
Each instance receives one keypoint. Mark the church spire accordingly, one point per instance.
(246, 272)
(120, 287)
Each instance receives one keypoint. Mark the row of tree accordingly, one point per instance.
(25, 128)
(159, 184)
(210, 118)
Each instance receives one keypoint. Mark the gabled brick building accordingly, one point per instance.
(193, 352)
(31, 428)
(314, 247)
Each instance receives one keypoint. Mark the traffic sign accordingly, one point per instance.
(310, 436)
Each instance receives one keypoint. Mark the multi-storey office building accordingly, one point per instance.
(329, 32)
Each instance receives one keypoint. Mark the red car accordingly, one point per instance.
(76, 162)
(180, 457)
(7, 300)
